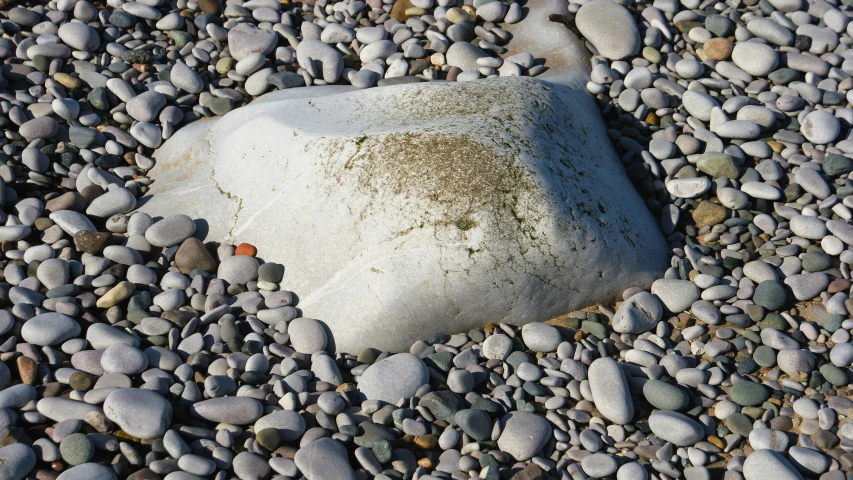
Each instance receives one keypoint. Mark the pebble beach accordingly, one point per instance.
(131, 347)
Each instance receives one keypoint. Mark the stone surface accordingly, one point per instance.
(609, 27)
(676, 427)
(764, 464)
(638, 314)
(16, 461)
(524, 434)
(428, 258)
(610, 392)
(398, 376)
(142, 413)
(324, 459)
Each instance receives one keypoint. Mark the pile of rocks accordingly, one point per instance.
(129, 348)
(733, 119)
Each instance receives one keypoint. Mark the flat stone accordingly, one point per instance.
(88, 471)
(610, 392)
(770, 294)
(540, 337)
(16, 461)
(245, 39)
(677, 428)
(49, 329)
(765, 438)
(665, 396)
(141, 413)
(307, 335)
(239, 269)
(748, 393)
(398, 376)
(234, 410)
(61, 409)
(289, 424)
(610, 28)
(170, 231)
(762, 464)
(524, 434)
(708, 214)
(599, 465)
(820, 127)
(323, 459)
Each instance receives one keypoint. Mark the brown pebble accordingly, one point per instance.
(398, 11)
(718, 48)
(839, 285)
(426, 442)
(42, 474)
(286, 451)
(532, 472)
(193, 254)
(91, 192)
(50, 389)
(27, 369)
(212, 7)
(708, 214)
(66, 201)
(91, 242)
(452, 73)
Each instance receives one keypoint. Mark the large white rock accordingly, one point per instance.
(405, 211)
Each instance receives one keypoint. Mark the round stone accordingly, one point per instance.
(497, 347)
(76, 449)
(170, 231)
(398, 376)
(288, 424)
(764, 356)
(755, 58)
(747, 394)
(464, 56)
(770, 294)
(141, 413)
(324, 458)
(79, 36)
(820, 127)
(638, 314)
(49, 329)
(233, 410)
(677, 428)
(540, 337)
(599, 465)
(238, 269)
(610, 28)
(16, 461)
(610, 392)
(764, 464)
(524, 434)
(307, 335)
(476, 423)
(676, 295)
(665, 396)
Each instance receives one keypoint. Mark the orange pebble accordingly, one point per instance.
(246, 249)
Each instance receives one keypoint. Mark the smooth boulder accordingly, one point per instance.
(445, 206)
